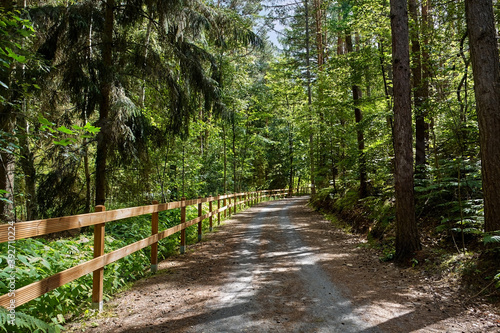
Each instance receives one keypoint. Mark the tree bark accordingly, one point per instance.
(225, 157)
(320, 45)
(358, 116)
(486, 72)
(418, 92)
(7, 124)
(105, 104)
(426, 30)
(309, 101)
(407, 239)
(234, 150)
(27, 162)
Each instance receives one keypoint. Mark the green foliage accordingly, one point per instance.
(492, 238)
(39, 258)
(497, 279)
(454, 192)
(26, 323)
(75, 135)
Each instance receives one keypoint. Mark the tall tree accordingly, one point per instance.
(358, 116)
(13, 57)
(486, 71)
(309, 98)
(418, 87)
(105, 102)
(407, 239)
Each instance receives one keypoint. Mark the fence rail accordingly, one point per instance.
(99, 219)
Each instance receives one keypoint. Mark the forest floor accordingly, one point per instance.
(281, 267)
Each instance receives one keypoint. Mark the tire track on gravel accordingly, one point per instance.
(285, 274)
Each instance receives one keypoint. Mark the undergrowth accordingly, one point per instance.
(450, 220)
(39, 258)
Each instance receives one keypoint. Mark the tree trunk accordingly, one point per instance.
(309, 100)
(407, 239)
(234, 151)
(7, 123)
(485, 60)
(426, 30)
(290, 147)
(27, 162)
(320, 45)
(418, 93)
(225, 157)
(142, 95)
(358, 116)
(105, 104)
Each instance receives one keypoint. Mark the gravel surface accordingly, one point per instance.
(280, 267)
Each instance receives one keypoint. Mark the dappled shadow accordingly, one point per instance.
(400, 300)
(279, 267)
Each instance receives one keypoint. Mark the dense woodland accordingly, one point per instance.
(388, 110)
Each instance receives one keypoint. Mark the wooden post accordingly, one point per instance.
(182, 249)
(229, 203)
(218, 209)
(225, 210)
(98, 274)
(154, 246)
(199, 223)
(210, 211)
(235, 203)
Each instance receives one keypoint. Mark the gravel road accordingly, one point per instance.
(281, 267)
(238, 307)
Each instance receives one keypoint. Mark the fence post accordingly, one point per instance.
(229, 203)
(224, 203)
(154, 246)
(199, 223)
(236, 202)
(182, 249)
(218, 209)
(210, 206)
(98, 275)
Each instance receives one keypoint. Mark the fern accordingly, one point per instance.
(26, 323)
(491, 238)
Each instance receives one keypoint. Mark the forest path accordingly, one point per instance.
(280, 267)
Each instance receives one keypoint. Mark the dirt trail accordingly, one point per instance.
(279, 267)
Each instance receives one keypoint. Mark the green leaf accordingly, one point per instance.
(488, 239)
(66, 130)
(92, 129)
(44, 121)
(64, 142)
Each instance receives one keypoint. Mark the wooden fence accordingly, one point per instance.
(99, 219)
